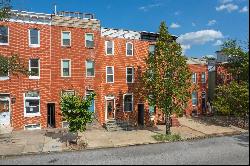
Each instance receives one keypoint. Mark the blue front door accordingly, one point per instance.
(92, 107)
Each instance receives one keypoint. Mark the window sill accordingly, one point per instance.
(109, 54)
(31, 115)
(90, 47)
(34, 46)
(4, 44)
(4, 78)
(66, 46)
(90, 76)
(34, 78)
(110, 82)
(129, 55)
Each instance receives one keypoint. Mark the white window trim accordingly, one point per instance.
(32, 114)
(110, 74)
(6, 44)
(62, 39)
(86, 40)
(2, 78)
(195, 98)
(106, 111)
(62, 67)
(195, 77)
(87, 68)
(34, 45)
(130, 74)
(33, 128)
(204, 78)
(35, 77)
(127, 49)
(106, 47)
(132, 102)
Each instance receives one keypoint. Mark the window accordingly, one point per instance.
(110, 74)
(68, 92)
(128, 102)
(90, 65)
(109, 47)
(203, 77)
(34, 38)
(32, 104)
(129, 74)
(34, 69)
(194, 98)
(66, 38)
(4, 35)
(4, 74)
(129, 48)
(65, 68)
(194, 77)
(89, 40)
(151, 49)
(32, 127)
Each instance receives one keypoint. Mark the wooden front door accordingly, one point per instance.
(110, 109)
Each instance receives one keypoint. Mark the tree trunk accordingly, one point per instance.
(167, 121)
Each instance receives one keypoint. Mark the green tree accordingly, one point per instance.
(5, 9)
(75, 111)
(167, 78)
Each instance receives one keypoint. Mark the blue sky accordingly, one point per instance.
(200, 24)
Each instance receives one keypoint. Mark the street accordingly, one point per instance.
(229, 150)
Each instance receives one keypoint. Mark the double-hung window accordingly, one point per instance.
(90, 68)
(110, 74)
(4, 35)
(34, 68)
(65, 68)
(89, 40)
(32, 104)
(194, 98)
(34, 38)
(194, 78)
(203, 77)
(128, 102)
(109, 45)
(129, 74)
(129, 49)
(66, 38)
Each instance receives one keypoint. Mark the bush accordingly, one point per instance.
(164, 137)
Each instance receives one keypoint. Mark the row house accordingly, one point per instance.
(70, 53)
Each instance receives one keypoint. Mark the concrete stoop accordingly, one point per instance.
(116, 125)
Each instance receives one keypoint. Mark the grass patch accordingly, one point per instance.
(164, 137)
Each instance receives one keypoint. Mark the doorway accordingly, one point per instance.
(51, 119)
(110, 110)
(141, 114)
(4, 109)
(203, 102)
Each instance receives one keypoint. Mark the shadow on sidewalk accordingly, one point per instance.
(243, 140)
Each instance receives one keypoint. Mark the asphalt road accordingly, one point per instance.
(233, 150)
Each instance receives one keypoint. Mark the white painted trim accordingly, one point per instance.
(113, 47)
(132, 75)
(195, 77)
(205, 77)
(35, 77)
(132, 101)
(34, 45)
(6, 44)
(106, 111)
(31, 125)
(32, 114)
(110, 74)
(132, 48)
(62, 39)
(87, 68)
(93, 39)
(62, 67)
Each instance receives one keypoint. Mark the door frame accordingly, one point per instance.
(54, 113)
(106, 112)
(7, 99)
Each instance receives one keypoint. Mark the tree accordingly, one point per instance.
(4, 9)
(167, 78)
(75, 111)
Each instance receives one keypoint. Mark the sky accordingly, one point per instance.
(201, 25)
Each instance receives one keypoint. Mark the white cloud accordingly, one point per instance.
(185, 48)
(175, 25)
(229, 7)
(225, 1)
(244, 9)
(211, 22)
(218, 43)
(147, 7)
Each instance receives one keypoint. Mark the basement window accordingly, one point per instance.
(32, 127)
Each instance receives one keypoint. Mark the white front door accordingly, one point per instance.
(4, 110)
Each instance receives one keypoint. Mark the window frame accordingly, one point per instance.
(127, 48)
(86, 62)
(203, 80)
(106, 47)
(31, 98)
(129, 74)
(195, 77)
(195, 98)
(34, 45)
(110, 74)
(6, 44)
(132, 102)
(93, 39)
(34, 77)
(62, 39)
(149, 48)
(69, 68)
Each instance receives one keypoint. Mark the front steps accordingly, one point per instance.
(117, 125)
